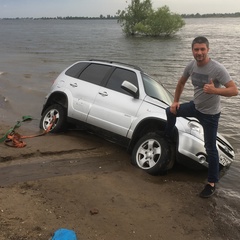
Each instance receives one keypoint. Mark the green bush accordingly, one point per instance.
(140, 18)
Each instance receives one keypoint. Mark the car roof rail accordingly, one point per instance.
(116, 62)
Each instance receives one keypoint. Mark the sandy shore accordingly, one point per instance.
(79, 181)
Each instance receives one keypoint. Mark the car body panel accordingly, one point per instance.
(83, 95)
(113, 111)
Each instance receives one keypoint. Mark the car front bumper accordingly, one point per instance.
(191, 151)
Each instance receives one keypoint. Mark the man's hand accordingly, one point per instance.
(229, 90)
(174, 107)
(209, 87)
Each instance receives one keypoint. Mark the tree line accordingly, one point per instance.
(196, 15)
(211, 15)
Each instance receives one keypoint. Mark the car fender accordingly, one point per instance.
(63, 97)
(143, 119)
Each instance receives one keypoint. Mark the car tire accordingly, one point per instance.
(152, 154)
(54, 111)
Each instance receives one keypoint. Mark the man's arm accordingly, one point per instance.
(178, 91)
(229, 90)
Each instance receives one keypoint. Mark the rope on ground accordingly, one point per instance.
(14, 139)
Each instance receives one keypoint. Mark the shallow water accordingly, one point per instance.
(33, 53)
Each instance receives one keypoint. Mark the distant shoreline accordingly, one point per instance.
(108, 17)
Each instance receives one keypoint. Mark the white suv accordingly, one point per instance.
(125, 105)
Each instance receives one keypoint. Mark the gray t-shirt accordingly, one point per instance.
(204, 102)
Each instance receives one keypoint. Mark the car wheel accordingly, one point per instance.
(152, 154)
(54, 115)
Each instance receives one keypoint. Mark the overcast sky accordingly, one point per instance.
(94, 8)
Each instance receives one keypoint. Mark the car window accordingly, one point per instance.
(156, 90)
(76, 69)
(118, 76)
(94, 73)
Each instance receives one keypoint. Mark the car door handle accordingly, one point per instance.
(104, 94)
(73, 85)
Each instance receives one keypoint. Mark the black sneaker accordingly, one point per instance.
(208, 191)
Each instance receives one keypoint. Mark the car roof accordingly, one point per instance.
(116, 63)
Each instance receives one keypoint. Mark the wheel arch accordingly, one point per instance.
(144, 127)
(56, 97)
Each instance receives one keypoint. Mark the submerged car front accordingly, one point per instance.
(191, 150)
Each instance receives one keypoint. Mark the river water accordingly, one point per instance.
(34, 52)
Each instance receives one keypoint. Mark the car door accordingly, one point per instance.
(84, 89)
(114, 109)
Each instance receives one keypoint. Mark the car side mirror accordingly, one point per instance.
(130, 88)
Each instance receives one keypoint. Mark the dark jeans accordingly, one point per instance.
(210, 126)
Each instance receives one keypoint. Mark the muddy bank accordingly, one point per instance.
(79, 181)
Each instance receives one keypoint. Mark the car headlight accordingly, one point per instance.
(196, 129)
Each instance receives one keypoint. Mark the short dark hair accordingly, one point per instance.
(200, 39)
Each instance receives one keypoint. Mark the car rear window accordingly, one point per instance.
(76, 69)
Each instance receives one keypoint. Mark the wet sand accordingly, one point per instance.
(79, 181)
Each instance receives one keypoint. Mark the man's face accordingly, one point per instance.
(200, 52)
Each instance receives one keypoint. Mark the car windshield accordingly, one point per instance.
(156, 90)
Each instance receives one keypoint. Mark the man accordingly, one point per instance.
(208, 78)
